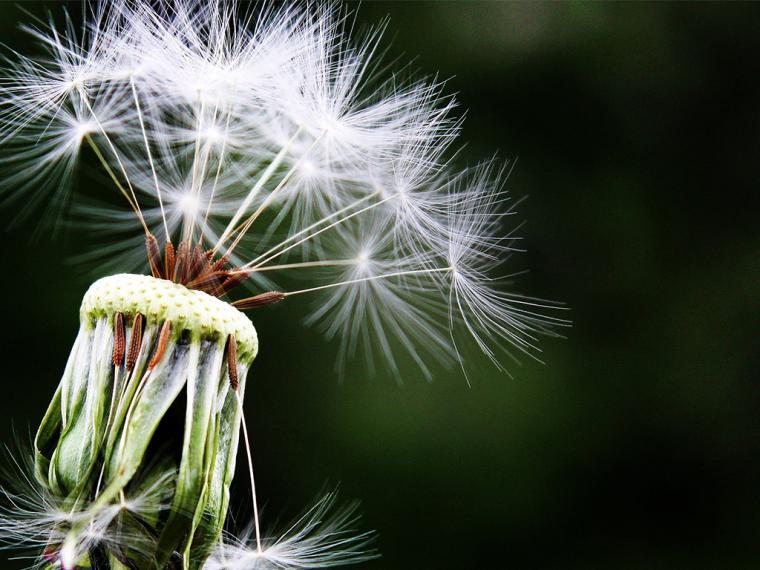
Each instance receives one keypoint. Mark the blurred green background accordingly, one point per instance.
(637, 445)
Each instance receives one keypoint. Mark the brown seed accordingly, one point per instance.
(154, 255)
(220, 263)
(260, 300)
(163, 341)
(209, 282)
(181, 263)
(232, 362)
(135, 342)
(169, 261)
(198, 264)
(234, 279)
(119, 340)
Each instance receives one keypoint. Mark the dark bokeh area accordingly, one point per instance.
(637, 444)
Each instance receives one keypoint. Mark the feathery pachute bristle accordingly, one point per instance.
(250, 147)
(275, 138)
(322, 537)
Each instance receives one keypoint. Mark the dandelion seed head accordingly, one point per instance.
(251, 144)
(270, 134)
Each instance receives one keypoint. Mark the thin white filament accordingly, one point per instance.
(255, 262)
(218, 171)
(249, 222)
(116, 156)
(150, 155)
(249, 457)
(371, 278)
(315, 234)
(197, 177)
(263, 179)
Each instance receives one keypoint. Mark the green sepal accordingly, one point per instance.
(160, 388)
(129, 386)
(228, 419)
(46, 433)
(202, 386)
(80, 441)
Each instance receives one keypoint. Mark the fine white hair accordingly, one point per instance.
(274, 135)
(37, 519)
(322, 537)
(273, 139)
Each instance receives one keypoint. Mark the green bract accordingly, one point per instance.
(122, 419)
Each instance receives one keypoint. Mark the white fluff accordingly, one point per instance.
(320, 538)
(38, 520)
(274, 135)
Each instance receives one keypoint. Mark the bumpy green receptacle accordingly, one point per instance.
(110, 432)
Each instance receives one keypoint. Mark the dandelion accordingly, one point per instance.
(250, 148)
(321, 537)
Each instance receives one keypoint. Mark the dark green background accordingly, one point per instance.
(637, 128)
